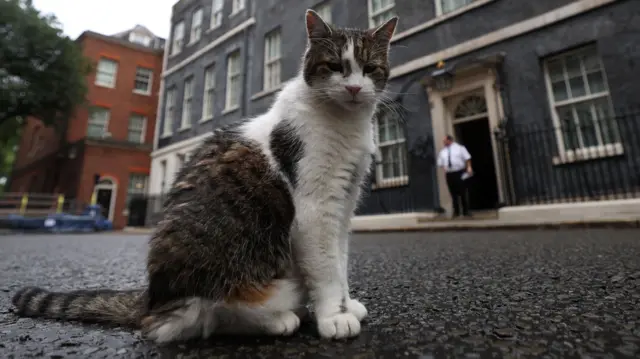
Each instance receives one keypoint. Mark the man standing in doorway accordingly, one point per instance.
(456, 161)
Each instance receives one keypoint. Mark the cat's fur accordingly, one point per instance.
(257, 222)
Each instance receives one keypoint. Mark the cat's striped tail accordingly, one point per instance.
(102, 306)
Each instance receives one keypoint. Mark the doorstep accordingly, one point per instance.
(610, 213)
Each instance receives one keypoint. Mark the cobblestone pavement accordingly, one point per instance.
(520, 294)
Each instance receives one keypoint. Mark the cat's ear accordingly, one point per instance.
(384, 32)
(316, 26)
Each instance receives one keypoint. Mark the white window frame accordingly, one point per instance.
(217, 12)
(382, 181)
(142, 129)
(177, 41)
(440, 8)
(387, 9)
(583, 152)
(208, 95)
(107, 119)
(187, 103)
(111, 82)
(324, 10)
(231, 76)
(169, 112)
(196, 26)
(237, 6)
(272, 66)
(140, 73)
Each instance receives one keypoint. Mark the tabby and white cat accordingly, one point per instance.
(257, 223)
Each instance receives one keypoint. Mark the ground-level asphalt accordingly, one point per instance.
(503, 294)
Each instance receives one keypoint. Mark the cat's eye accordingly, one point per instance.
(368, 69)
(334, 66)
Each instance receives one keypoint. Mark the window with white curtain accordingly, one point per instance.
(187, 102)
(137, 125)
(272, 55)
(216, 13)
(208, 95)
(580, 101)
(196, 26)
(234, 74)
(98, 122)
(169, 112)
(324, 10)
(106, 73)
(178, 38)
(391, 156)
(447, 6)
(380, 11)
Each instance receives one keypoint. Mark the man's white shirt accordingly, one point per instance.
(459, 157)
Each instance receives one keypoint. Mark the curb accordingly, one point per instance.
(612, 224)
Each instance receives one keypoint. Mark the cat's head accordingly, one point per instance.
(347, 67)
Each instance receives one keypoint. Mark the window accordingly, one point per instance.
(98, 122)
(236, 5)
(447, 6)
(216, 13)
(272, 60)
(187, 100)
(234, 72)
(142, 84)
(169, 112)
(579, 98)
(324, 10)
(209, 89)
(137, 186)
(178, 38)
(196, 26)
(391, 157)
(139, 38)
(106, 73)
(380, 11)
(137, 124)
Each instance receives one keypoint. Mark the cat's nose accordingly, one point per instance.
(353, 90)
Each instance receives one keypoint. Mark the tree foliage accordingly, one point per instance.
(42, 71)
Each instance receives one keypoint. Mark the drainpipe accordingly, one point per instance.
(165, 58)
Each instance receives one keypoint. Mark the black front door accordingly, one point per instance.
(483, 186)
(137, 211)
(103, 198)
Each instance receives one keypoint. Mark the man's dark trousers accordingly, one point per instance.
(458, 190)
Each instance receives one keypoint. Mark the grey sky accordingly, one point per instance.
(109, 17)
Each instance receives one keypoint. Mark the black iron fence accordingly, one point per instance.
(590, 158)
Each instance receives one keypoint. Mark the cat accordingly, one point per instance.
(257, 222)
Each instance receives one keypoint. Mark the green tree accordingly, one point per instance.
(42, 71)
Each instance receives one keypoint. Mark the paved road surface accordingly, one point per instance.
(532, 294)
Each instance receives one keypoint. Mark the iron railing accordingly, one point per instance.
(589, 161)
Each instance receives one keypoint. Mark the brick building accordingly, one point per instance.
(111, 136)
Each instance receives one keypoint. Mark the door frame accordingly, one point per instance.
(114, 191)
(467, 81)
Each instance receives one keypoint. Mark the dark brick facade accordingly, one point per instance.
(613, 28)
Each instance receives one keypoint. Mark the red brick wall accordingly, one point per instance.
(121, 100)
(115, 163)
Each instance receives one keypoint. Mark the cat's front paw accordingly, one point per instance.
(284, 324)
(339, 326)
(357, 309)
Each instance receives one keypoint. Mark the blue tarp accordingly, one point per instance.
(90, 220)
